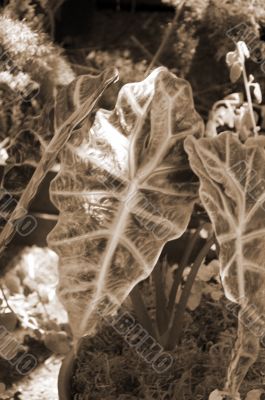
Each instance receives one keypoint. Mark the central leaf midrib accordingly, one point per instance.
(118, 228)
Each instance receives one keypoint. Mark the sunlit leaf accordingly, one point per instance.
(231, 58)
(124, 189)
(243, 48)
(257, 92)
(232, 190)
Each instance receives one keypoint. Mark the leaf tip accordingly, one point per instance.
(110, 74)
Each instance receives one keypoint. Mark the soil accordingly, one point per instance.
(108, 368)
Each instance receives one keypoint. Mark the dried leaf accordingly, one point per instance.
(232, 186)
(124, 189)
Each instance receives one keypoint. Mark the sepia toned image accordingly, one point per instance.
(132, 200)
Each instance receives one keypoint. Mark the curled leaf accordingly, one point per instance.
(257, 92)
(243, 49)
(231, 58)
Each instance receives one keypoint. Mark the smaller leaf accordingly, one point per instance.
(254, 394)
(226, 117)
(231, 58)
(236, 71)
(243, 122)
(244, 49)
(257, 92)
(251, 78)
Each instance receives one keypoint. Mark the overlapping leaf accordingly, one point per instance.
(232, 189)
(124, 189)
(73, 104)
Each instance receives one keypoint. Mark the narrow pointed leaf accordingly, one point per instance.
(73, 104)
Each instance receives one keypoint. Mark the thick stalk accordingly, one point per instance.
(166, 37)
(182, 265)
(177, 323)
(162, 316)
(141, 311)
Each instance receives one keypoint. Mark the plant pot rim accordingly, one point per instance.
(65, 376)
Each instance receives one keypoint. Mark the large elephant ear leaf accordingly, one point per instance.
(124, 189)
(232, 190)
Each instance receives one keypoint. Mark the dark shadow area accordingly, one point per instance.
(76, 17)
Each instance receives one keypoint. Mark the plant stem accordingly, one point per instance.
(162, 315)
(177, 324)
(182, 265)
(248, 94)
(141, 311)
(165, 38)
(142, 48)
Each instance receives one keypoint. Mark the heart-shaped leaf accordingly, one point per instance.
(124, 189)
